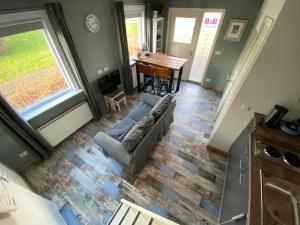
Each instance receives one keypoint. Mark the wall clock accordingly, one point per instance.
(92, 23)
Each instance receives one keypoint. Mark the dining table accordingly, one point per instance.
(159, 59)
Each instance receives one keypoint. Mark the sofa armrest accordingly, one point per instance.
(112, 147)
(150, 99)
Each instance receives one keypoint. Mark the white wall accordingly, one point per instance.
(273, 79)
(12, 175)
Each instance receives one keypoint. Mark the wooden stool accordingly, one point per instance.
(114, 98)
(164, 74)
(148, 72)
(117, 100)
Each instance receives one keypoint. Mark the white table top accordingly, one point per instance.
(32, 209)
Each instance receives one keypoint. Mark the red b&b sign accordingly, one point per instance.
(210, 21)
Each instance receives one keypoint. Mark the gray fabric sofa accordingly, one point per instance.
(111, 139)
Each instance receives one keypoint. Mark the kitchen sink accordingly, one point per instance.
(280, 202)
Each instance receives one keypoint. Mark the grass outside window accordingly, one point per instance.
(29, 72)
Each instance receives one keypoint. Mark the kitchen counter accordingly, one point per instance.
(258, 165)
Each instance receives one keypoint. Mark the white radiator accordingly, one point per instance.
(62, 126)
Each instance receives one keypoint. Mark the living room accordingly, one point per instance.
(177, 172)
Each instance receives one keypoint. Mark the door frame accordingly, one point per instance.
(201, 10)
(239, 79)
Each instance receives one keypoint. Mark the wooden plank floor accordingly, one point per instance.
(182, 180)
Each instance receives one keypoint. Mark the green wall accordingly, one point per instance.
(95, 51)
(11, 147)
(223, 64)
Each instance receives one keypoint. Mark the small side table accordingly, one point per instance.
(117, 100)
(114, 99)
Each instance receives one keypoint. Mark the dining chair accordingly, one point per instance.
(163, 75)
(149, 77)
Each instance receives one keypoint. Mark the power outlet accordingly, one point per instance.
(106, 69)
(208, 80)
(99, 72)
(218, 52)
(23, 154)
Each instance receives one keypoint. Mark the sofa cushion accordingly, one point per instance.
(113, 148)
(120, 130)
(147, 123)
(133, 137)
(150, 99)
(161, 106)
(139, 111)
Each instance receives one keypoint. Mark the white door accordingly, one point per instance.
(210, 29)
(245, 62)
(184, 28)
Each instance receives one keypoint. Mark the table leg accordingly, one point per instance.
(171, 81)
(138, 78)
(179, 79)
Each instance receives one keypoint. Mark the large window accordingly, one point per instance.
(184, 29)
(135, 28)
(33, 70)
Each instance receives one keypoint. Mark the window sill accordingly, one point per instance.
(132, 60)
(42, 107)
(132, 63)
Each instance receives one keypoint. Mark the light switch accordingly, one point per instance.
(246, 107)
(218, 52)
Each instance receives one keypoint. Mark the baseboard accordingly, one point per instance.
(215, 89)
(217, 151)
(209, 88)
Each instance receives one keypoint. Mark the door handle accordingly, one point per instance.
(241, 179)
(230, 77)
(227, 78)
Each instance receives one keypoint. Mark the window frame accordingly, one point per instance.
(133, 11)
(24, 20)
(190, 39)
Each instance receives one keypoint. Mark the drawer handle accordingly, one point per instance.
(241, 180)
(242, 169)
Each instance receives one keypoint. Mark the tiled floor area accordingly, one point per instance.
(182, 180)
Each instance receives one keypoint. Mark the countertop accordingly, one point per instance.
(257, 165)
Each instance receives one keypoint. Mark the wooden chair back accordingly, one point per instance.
(145, 69)
(162, 72)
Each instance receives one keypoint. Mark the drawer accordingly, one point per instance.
(235, 197)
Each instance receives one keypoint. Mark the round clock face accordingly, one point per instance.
(92, 23)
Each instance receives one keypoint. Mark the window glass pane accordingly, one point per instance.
(29, 71)
(134, 35)
(184, 29)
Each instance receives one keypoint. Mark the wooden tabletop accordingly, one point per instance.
(159, 59)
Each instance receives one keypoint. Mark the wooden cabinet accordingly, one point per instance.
(157, 34)
(235, 196)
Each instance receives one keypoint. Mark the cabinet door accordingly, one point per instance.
(235, 196)
(241, 222)
(237, 156)
(235, 200)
